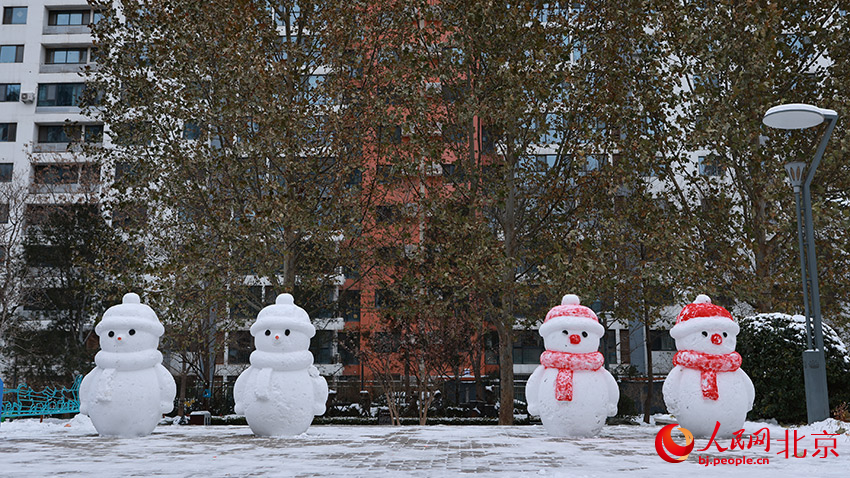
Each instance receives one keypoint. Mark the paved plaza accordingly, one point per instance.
(32, 449)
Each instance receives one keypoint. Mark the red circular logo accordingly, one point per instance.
(664, 443)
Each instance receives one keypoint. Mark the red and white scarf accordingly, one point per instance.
(566, 363)
(708, 365)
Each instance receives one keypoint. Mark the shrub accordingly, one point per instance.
(771, 346)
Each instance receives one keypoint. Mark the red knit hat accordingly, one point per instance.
(702, 314)
(570, 314)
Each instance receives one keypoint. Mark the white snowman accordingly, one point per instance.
(707, 385)
(129, 389)
(571, 391)
(281, 391)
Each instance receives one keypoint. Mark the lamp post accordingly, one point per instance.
(802, 116)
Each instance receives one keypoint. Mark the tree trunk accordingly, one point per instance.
(648, 346)
(506, 375)
(184, 377)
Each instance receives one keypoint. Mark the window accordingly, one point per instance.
(61, 18)
(240, 344)
(4, 213)
(528, 345)
(59, 133)
(10, 91)
(389, 134)
(8, 132)
(348, 344)
(191, 131)
(454, 133)
(544, 162)
(60, 94)
(386, 214)
(661, 341)
(6, 172)
(15, 15)
(11, 53)
(66, 56)
(66, 173)
(710, 166)
(349, 305)
(322, 346)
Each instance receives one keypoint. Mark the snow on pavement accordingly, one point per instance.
(32, 449)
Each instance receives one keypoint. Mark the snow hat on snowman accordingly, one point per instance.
(702, 314)
(130, 314)
(570, 314)
(283, 314)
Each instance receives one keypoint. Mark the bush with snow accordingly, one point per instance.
(772, 346)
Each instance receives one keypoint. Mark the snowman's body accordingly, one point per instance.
(571, 333)
(129, 389)
(281, 391)
(585, 414)
(684, 399)
(708, 331)
(126, 402)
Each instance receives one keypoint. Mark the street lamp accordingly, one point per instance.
(802, 116)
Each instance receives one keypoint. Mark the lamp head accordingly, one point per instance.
(796, 116)
(796, 173)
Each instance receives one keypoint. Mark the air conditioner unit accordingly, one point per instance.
(27, 97)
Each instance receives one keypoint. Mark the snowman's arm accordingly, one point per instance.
(88, 389)
(240, 391)
(670, 389)
(751, 390)
(532, 389)
(320, 391)
(613, 393)
(167, 389)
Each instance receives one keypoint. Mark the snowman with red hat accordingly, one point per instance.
(707, 385)
(571, 390)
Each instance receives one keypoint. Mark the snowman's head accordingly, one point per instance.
(282, 327)
(129, 327)
(571, 327)
(280, 339)
(705, 327)
(124, 339)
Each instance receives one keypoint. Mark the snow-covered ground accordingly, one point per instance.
(56, 447)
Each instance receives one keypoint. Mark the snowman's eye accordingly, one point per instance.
(704, 333)
(584, 334)
(132, 331)
(725, 334)
(286, 332)
(111, 333)
(268, 332)
(566, 333)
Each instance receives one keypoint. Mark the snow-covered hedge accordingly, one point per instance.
(772, 346)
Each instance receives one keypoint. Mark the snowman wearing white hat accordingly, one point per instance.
(129, 389)
(282, 390)
(707, 385)
(571, 390)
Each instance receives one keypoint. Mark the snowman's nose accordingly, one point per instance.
(119, 337)
(716, 339)
(277, 337)
(575, 339)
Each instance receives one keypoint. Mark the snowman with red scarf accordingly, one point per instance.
(707, 384)
(571, 391)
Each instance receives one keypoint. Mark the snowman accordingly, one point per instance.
(571, 391)
(129, 389)
(281, 391)
(707, 385)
